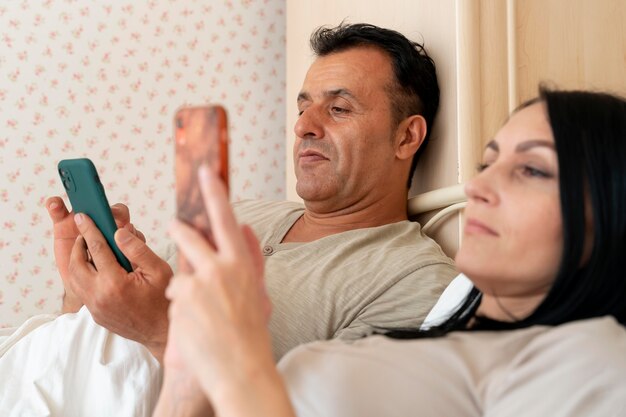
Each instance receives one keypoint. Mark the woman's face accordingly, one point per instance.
(512, 240)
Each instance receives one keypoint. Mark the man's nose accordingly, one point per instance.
(310, 124)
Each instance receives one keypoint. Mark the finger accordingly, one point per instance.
(228, 237)
(56, 209)
(120, 214)
(141, 255)
(101, 254)
(192, 245)
(82, 272)
(141, 236)
(131, 228)
(173, 288)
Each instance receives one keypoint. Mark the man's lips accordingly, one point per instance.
(311, 156)
(475, 227)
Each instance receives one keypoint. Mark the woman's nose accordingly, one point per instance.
(482, 188)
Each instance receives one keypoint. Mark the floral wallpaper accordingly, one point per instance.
(102, 79)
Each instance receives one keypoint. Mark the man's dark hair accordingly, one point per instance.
(415, 91)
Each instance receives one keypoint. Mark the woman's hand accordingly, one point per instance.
(219, 313)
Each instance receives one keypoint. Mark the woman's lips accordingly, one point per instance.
(475, 227)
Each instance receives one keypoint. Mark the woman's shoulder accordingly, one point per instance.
(582, 364)
(602, 335)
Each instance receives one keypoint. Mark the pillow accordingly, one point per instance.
(451, 299)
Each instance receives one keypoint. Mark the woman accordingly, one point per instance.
(540, 334)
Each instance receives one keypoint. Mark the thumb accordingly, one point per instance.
(142, 256)
(56, 209)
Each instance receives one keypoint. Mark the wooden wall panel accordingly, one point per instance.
(571, 44)
(491, 56)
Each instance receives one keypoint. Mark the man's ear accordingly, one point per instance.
(411, 134)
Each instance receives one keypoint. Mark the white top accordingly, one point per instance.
(577, 369)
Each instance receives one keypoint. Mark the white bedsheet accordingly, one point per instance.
(89, 371)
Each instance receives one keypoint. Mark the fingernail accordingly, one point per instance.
(123, 235)
(53, 206)
(204, 172)
(78, 218)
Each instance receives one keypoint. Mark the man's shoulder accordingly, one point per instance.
(266, 207)
(402, 240)
(256, 211)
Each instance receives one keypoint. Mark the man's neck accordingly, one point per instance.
(315, 223)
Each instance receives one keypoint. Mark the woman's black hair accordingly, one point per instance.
(589, 131)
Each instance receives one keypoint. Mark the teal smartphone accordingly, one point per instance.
(86, 193)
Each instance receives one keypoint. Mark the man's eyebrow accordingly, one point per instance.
(338, 92)
(304, 96)
(342, 92)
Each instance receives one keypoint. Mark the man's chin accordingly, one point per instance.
(314, 192)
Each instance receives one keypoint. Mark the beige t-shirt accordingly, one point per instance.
(348, 284)
(573, 370)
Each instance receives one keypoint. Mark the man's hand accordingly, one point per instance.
(133, 304)
(65, 233)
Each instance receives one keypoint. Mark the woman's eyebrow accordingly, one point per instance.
(533, 143)
(492, 144)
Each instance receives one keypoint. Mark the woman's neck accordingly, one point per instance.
(508, 309)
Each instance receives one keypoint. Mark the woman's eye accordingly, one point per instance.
(534, 172)
(481, 167)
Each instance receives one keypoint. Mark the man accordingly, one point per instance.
(347, 262)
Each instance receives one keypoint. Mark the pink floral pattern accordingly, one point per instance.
(102, 80)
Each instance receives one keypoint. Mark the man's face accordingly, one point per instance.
(344, 150)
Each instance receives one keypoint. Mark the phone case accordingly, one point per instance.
(86, 194)
(201, 136)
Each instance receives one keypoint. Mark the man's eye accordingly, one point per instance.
(339, 110)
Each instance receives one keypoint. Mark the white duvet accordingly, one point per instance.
(70, 366)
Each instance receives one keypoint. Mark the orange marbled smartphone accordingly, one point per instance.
(200, 137)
